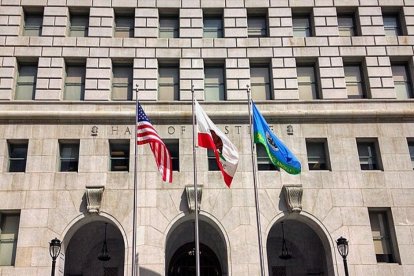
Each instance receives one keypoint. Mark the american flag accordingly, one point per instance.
(146, 134)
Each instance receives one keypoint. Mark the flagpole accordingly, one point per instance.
(197, 242)
(256, 195)
(134, 208)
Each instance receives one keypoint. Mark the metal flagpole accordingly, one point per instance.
(197, 243)
(256, 195)
(134, 210)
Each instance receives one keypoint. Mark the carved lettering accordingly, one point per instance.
(114, 130)
(127, 131)
(171, 130)
(238, 129)
(226, 129)
(182, 129)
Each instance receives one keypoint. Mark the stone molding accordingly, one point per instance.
(293, 197)
(94, 198)
(190, 194)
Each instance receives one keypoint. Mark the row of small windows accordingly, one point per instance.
(381, 222)
(119, 153)
(257, 24)
(261, 78)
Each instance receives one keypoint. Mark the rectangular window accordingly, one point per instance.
(402, 81)
(392, 24)
(69, 156)
(174, 149)
(212, 162)
(411, 152)
(79, 24)
(124, 25)
(33, 24)
(75, 82)
(263, 161)
(354, 80)
(168, 83)
(169, 26)
(122, 82)
(26, 82)
(119, 154)
(317, 155)
(301, 26)
(368, 153)
(212, 26)
(307, 84)
(346, 25)
(17, 155)
(214, 83)
(9, 223)
(384, 240)
(260, 82)
(257, 25)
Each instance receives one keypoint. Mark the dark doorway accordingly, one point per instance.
(183, 261)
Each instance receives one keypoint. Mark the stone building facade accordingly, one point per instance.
(334, 80)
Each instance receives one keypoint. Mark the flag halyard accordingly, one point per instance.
(146, 134)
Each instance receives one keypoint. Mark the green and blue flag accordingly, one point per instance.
(278, 153)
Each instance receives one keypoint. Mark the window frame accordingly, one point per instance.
(268, 86)
(81, 84)
(388, 235)
(318, 166)
(362, 83)
(127, 85)
(217, 31)
(121, 31)
(316, 93)
(12, 160)
(75, 30)
(29, 28)
(263, 161)
(410, 144)
(353, 29)
(67, 143)
(306, 31)
(165, 30)
(3, 214)
(393, 30)
(119, 162)
(173, 146)
(220, 85)
(21, 83)
(407, 83)
(212, 162)
(163, 68)
(372, 155)
(254, 17)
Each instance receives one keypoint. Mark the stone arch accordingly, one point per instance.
(212, 235)
(312, 227)
(88, 231)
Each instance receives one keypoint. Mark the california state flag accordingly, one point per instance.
(211, 137)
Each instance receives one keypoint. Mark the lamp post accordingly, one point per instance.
(54, 250)
(342, 245)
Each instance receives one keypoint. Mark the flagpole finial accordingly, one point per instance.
(248, 88)
(137, 87)
(192, 88)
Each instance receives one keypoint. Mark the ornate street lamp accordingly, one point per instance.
(104, 255)
(54, 250)
(342, 245)
(285, 253)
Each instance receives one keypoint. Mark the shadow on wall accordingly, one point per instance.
(147, 272)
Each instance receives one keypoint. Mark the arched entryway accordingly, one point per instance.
(86, 245)
(180, 252)
(304, 250)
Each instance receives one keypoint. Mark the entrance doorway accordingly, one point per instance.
(87, 244)
(301, 251)
(180, 249)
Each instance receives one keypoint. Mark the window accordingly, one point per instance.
(307, 85)
(263, 161)
(174, 149)
(260, 82)
(121, 82)
(354, 80)
(346, 25)
(124, 25)
(119, 151)
(79, 24)
(214, 83)
(74, 82)
(212, 26)
(384, 239)
(392, 25)
(33, 24)
(212, 162)
(17, 156)
(368, 155)
(411, 151)
(301, 26)
(317, 157)
(69, 156)
(26, 81)
(257, 25)
(168, 83)
(9, 223)
(402, 81)
(169, 26)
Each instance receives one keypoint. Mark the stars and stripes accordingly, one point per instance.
(146, 134)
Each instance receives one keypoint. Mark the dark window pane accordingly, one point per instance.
(119, 152)
(174, 149)
(17, 157)
(69, 157)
